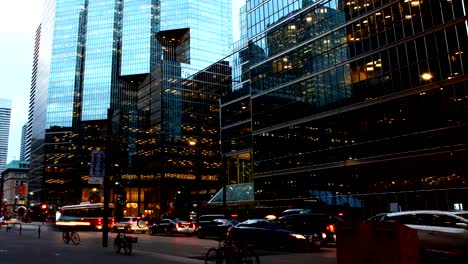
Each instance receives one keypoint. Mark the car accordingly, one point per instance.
(324, 222)
(268, 234)
(440, 233)
(207, 218)
(172, 226)
(131, 224)
(215, 228)
(292, 211)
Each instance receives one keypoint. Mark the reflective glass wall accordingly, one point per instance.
(92, 57)
(358, 102)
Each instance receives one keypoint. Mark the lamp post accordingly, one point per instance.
(223, 161)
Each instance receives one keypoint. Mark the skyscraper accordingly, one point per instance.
(23, 150)
(360, 103)
(5, 115)
(93, 55)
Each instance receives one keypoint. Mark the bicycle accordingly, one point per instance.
(72, 236)
(122, 241)
(231, 253)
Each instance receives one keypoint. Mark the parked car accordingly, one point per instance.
(439, 232)
(172, 226)
(131, 224)
(215, 228)
(324, 222)
(268, 234)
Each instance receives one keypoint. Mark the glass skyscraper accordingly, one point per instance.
(5, 115)
(360, 103)
(93, 56)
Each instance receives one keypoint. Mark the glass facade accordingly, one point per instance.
(93, 58)
(178, 103)
(359, 102)
(139, 24)
(5, 115)
(102, 32)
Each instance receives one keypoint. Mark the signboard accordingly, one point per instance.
(97, 169)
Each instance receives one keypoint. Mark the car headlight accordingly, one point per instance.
(298, 236)
(324, 236)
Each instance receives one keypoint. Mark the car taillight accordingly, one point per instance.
(331, 228)
(99, 221)
(177, 225)
(193, 225)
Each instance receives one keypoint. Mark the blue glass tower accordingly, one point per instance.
(92, 57)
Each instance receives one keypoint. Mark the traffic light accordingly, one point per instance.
(121, 200)
(44, 207)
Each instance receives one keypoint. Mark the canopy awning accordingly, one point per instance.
(235, 193)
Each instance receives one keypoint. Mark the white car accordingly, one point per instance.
(131, 224)
(439, 232)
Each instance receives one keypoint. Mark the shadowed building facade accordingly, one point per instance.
(360, 103)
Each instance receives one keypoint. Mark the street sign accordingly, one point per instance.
(97, 169)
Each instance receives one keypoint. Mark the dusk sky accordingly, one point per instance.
(18, 22)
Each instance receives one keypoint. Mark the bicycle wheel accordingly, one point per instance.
(249, 256)
(75, 238)
(213, 255)
(117, 245)
(65, 237)
(128, 248)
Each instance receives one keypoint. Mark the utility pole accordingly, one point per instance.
(105, 184)
(223, 161)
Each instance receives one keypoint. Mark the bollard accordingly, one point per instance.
(20, 228)
(39, 232)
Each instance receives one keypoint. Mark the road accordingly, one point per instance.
(50, 249)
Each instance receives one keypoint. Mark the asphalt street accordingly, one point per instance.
(47, 246)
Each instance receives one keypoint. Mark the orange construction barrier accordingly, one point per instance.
(379, 242)
(349, 247)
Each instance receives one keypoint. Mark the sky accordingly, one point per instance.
(17, 31)
(18, 23)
